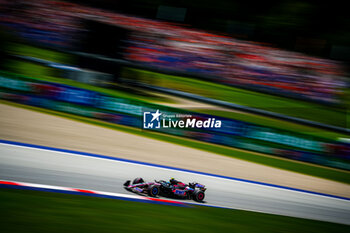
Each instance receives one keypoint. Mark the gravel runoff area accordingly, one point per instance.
(22, 125)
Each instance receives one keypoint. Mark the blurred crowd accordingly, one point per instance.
(243, 63)
(169, 46)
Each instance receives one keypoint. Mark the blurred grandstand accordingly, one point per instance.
(170, 47)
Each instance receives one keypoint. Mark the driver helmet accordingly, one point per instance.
(172, 180)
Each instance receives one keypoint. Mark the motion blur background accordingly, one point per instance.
(287, 58)
(276, 73)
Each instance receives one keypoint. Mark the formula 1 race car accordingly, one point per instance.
(171, 188)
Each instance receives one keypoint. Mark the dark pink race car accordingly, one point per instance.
(172, 188)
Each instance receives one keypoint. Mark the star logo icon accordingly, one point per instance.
(156, 115)
(151, 120)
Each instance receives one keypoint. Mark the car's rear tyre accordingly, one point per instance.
(138, 180)
(153, 190)
(198, 195)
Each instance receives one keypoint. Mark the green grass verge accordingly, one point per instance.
(286, 164)
(35, 211)
(41, 73)
(47, 54)
(287, 106)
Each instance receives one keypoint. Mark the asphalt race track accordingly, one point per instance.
(19, 163)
